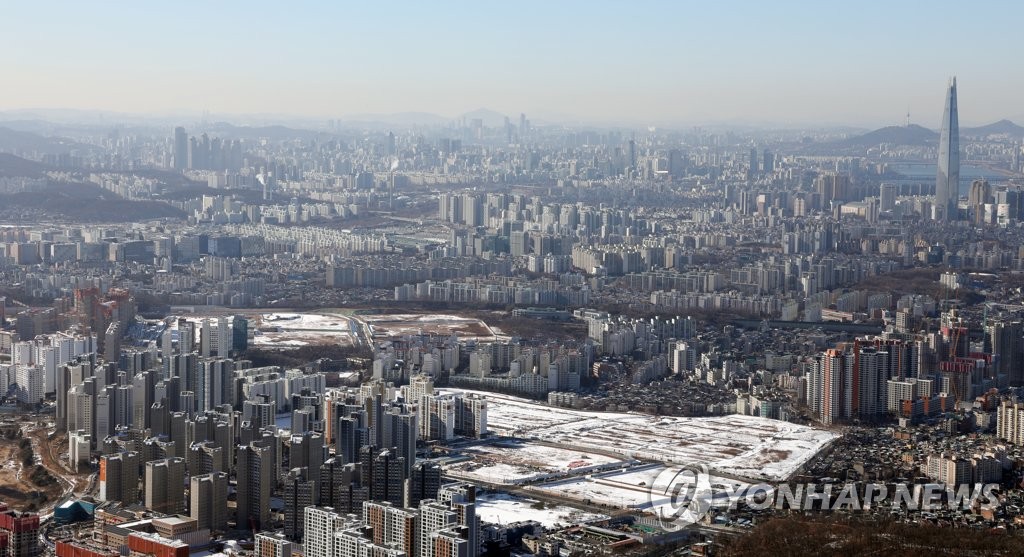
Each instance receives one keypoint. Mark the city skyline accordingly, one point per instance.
(684, 64)
(480, 280)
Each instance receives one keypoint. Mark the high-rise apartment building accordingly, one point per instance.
(385, 472)
(433, 517)
(307, 451)
(340, 487)
(299, 493)
(255, 473)
(400, 433)
(21, 531)
(119, 477)
(272, 545)
(1006, 341)
(321, 523)
(208, 494)
(462, 499)
(165, 485)
(1010, 421)
(979, 195)
(357, 542)
(423, 484)
(452, 542)
(391, 525)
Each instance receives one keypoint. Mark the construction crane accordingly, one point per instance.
(954, 323)
(954, 341)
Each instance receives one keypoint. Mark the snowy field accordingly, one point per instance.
(744, 446)
(501, 508)
(516, 462)
(643, 488)
(290, 330)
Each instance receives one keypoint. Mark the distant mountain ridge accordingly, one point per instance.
(83, 202)
(14, 141)
(919, 136)
(1002, 127)
(896, 135)
(397, 119)
(491, 118)
(272, 132)
(13, 166)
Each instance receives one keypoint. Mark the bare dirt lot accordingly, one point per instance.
(396, 325)
(24, 483)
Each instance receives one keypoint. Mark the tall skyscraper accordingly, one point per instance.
(180, 149)
(239, 333)
(1006, 345)
(887, 196)
(767, 162)
(947, 180)
(979, 195)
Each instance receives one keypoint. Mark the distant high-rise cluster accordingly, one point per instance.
(180, 148)
(203, 153)
(914, 375)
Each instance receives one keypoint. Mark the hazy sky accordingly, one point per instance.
(856, 62)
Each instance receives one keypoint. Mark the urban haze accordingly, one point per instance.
(561, 279)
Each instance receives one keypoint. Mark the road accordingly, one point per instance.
(46, 459)
(57, 469)
(710, 530)
(525, 491)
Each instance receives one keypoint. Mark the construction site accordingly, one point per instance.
(33, 471)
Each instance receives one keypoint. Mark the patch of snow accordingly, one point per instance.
(513, 462)
(502, 508)
(744, 446)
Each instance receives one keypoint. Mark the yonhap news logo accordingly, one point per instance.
(681, 496)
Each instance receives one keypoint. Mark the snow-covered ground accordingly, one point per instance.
(289, 330)
(744, 446)
(502, 508)
(302, 329)
(644, 488)
(515, 462)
